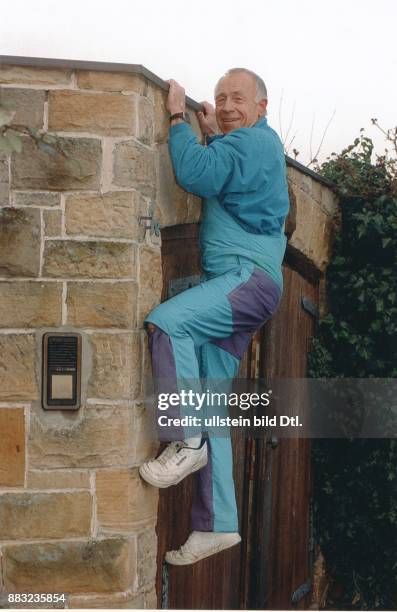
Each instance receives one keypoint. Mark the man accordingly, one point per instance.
(202, 333)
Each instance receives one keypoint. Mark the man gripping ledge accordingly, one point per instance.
(202, 333)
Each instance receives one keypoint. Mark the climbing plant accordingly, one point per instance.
(13, 135)
(355, 480)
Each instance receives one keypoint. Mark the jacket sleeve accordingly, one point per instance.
(229, 162)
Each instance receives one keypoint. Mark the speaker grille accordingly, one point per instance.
(62, 352)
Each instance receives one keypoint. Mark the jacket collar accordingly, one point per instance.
(261, 123)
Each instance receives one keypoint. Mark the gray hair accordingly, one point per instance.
(261, 91)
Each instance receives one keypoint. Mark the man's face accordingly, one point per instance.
(235, 104)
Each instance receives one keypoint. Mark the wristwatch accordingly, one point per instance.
(184, 116)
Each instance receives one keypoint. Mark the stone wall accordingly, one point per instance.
(74, 255)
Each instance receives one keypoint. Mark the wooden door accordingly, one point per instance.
(270, 561)
(281, 563)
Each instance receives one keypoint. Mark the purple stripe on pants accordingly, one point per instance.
(202, 514)
(165, 379)
(253, 303)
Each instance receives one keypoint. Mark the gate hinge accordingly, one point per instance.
(309, 307)
(154, 225)
(301, 591)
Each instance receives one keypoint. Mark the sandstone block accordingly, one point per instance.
(17, 367)
(4, 182)
(52, 223)
(306, 183)
(19, 242)
(313, 233)
(127, 600)
(12, 447)
(102, 304)
(116, 372)
(172, 200)
(34, 169)
(161, 122)
(44, 515)
(150, 281)
(30, 304)
(58, 479)
(151, 600)
(317, 188)
(146, 553)
(125, 501)
(34, 76)
(329, 201)
(100, 566)
(195, 124)
(75, 259)
(112, 215)
(100, 436)
(36, 198)
(294, 175)
(111, 81)
(134, 167)
(144, 443)
(145, 121)
(194, 207)
(100, 113)
(28, 103)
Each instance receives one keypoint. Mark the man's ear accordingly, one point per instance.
(262, 105)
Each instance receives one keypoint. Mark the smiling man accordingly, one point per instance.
(202, 333)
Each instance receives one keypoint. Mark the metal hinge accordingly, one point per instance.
(301, 591)
(309, 307)
(273, 441)
(154, 225)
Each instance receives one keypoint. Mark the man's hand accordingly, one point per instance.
(207, 120)
(176, 98)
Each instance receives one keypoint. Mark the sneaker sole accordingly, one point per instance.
(210, 553)
(161, 485)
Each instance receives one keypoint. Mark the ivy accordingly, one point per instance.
(355, 480)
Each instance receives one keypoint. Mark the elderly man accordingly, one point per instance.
(203, 332)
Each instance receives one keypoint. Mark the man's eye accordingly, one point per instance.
(237, 99)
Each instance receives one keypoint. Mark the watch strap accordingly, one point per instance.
(181, 115)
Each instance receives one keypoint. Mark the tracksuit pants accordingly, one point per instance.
(201, 335)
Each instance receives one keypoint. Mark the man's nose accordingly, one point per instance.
(228, 106)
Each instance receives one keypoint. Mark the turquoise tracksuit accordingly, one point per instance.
(203, 332)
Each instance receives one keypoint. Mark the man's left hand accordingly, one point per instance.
(176, 102)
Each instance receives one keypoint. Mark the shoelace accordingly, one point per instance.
(169, 452)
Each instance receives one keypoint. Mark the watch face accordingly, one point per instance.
(187, 117)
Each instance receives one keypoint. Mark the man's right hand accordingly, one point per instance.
(207, 120)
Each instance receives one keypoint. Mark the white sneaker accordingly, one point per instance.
(201, 544)
(175, 462)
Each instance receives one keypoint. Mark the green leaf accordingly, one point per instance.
(46, 148)
(34, 133)
(50, 138)
(6, 117)
(5, 145)
(15, 140)
(385, 242)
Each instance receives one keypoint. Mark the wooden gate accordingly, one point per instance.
(272, 479)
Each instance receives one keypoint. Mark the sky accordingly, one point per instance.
(323, 62)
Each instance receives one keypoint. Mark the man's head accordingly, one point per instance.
(240, 99)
